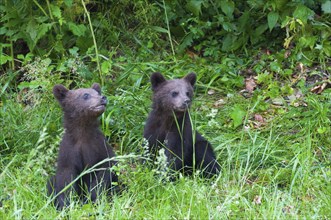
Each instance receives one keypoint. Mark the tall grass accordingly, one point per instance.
(277, 171)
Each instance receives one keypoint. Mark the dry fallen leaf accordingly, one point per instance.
(219, 102)
(250, 84)
(288, 209)
(278, 101)
(259, 118)
(268, 52)
(321, 87)
(287, 53)
(192, 54)
(301, 67)
(211, 92)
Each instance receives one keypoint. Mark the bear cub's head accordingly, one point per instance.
(84, 102)
(172, 95)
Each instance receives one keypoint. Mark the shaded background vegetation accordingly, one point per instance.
(58, 29)
(259, 66)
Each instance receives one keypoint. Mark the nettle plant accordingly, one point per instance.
(40, 28)
(308, 33)
(214, 27)
(51, 28)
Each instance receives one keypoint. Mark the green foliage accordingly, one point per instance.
(272, 138)
(216, 27)
(237, 115)
(43, 25)
(278, 170)
(52, 29)
(208, 28)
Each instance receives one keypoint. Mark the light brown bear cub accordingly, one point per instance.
(169, 126)
(83, 145)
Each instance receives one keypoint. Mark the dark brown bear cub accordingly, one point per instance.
(169, 126)
(83, 145)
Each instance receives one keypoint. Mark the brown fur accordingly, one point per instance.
(169, 126)
(83, 145)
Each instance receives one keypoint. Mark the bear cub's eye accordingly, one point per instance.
(86, 96)
(174, 94)
(188, 93)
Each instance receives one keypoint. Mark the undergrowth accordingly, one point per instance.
(277, 169)
(262, 99)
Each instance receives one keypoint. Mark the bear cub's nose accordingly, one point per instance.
(104, 100)
(187, 101)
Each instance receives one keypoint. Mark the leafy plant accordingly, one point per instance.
(271, 137)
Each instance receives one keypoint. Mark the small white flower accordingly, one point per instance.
(162, 165)
(213, 113)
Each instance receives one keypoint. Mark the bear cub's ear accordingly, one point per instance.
(156, 80)
(191, 78)
(60, 92)
(96, 87)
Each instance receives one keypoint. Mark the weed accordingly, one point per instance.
(273, 144)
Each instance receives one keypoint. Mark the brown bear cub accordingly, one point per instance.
(83, 145)
(169, 126)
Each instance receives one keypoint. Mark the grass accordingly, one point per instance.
(278, 170)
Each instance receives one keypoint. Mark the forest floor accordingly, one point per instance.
(269, 126)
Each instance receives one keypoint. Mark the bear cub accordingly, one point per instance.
(169, 126)
(83, 145)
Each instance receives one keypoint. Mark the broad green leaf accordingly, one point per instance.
(194, 6)
(326, 7)
(307, 41)
(42, 30)
(105, 67)
(287, 72)
(272, 19)
(32, 84)
(3, 30)
(274, 92)
(84, 72)
(58, 46)
(150, 44)
(244, 20)
(261, 29)
(225, 78)
(159, 29)
(327, 48)
(237, 115)
(56, 11)
(287, 90)
(303, 13)
(275, 67)
(227, 42)
(74, 51)
(286, 21)
(280, 4)
(256, 36)
(321, 130)
(68, 3)
(4, 45)
(227, 8)
(32, 30)
(264, 78)
(228, 26)
(187, 41)
(78, 30)
(4, 59)
(47, 61)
